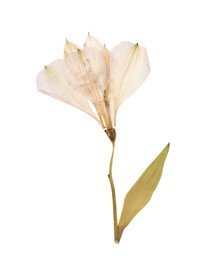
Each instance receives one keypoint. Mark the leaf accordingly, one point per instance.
(141, 192)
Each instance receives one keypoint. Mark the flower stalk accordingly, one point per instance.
(111, 133)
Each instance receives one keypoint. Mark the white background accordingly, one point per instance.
(55, 199)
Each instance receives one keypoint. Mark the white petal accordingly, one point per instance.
(94, 63)
(86, 67)
(99, 61)
(92, 42)
(129, 69)
(69, 48)
(81, 73)
(57, 81)
(90, 69)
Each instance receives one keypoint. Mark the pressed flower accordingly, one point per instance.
(94, 75)
(97, 81)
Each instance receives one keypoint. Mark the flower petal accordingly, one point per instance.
(69, 48)
(57, 81)
(94, 63)
(129, 69)
(90, 69)
(99, 59)
(92, 42)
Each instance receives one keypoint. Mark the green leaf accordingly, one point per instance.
(141, 192)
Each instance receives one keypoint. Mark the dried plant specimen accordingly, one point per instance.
(97, 81)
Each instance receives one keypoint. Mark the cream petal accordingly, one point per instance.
(129, 68)
(93, 67)
(79, 69)
(92, 42)
(57, 81)
(99, 59)
(90, 69)
(95, 58)
(69, 48)
(81, 72)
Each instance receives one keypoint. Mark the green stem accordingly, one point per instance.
(113, 195)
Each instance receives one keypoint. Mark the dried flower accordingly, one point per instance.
(94, 75)
(97, 81)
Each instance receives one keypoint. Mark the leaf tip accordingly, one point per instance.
(167, 147)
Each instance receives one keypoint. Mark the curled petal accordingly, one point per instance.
(129, 69)
(57, 81)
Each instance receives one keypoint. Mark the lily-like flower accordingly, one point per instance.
(97, 81)
(94, 79)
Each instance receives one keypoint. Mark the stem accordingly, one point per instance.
(113, 195)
